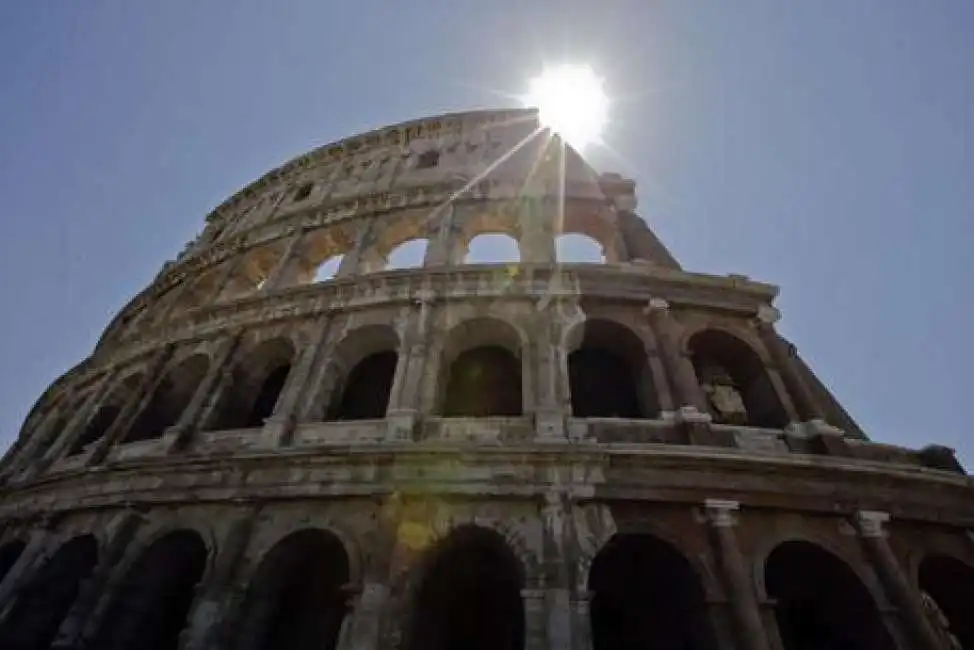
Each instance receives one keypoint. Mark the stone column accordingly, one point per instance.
(77, 424)
(403, 410)
(721, 516)
(292, 402)
(209, 617)
(35, 438)
(362, 624)
(685, 387)
(871, 528)
(535, 619)
(28, 562)
(557, 532)
(217, 377)
(351, 263)
(551, 409)
(151, 379)
(72, 628)
(783, 354)
(440, 244)
(279, 274)
(537, 241)
(581, 627)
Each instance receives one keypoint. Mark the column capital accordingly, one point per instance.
(768, 315)
(721, 512)
(871, 523)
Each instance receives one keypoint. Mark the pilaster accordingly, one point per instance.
(294, 396)
(403, 410)
(76, 424)
(281, 272)
(680, 373)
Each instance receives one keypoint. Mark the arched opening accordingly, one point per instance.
(645, 594)
(328, 269)
(106, 414)
(9, 554)
(149, 609)
(484, 381)
(480, 373)
(169, 399)
(257, 384)
(608, 374)
(295, 599)
(734, 380)
(947, 587)
(575, 247)
(492, 248)
(408, 254)
(469, 597)
(365, 395)
(43, 602)
(821, 603)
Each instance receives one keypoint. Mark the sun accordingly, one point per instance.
(571, 102)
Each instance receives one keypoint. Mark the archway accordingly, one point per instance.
(9, 554)
(735, 381)
(574, 247)
(469, 597)
(950, 584)
(44, 601)
(408, 254)
(149, 609)
(821, 603)
(607, 373)
(106, 414)
(296, 598)
(366, 391)
(492, 248)
(169, 399)
(646, 595)
(482, 382)
(257, 382)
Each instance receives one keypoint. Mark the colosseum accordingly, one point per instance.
(293, 439)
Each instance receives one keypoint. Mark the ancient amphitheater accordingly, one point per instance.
(284, 442)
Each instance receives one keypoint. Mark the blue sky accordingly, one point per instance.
(827, 147)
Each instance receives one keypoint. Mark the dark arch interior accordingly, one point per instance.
(483, 381)
(104, 417)
(470, 596)
(150, 607)
(821, 601)
(45, 600)
(645, 595)
(295, 600)
(608, 375)
(950, 583)
(9, 554)
(266, 398)
(170, 399)
(711, 350)
(366, 391)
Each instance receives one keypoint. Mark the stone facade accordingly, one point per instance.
(537, 454)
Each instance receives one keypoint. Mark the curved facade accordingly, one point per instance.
(327, 425)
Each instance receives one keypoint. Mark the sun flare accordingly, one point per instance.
(571, 102)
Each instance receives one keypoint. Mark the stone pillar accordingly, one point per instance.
(28, 562)
(351, 263)
(76, 424)
(292, 402)
(557, 531)
(35, 439)
(808, 407)
(362, 624)
(721, 516)
(581, 626)
(685, 387)
(551, 409)
(218, 376)
(140, 397)
(535, 619)
(403, 410)
(279, 274)
(229, 266)
(439, 247)
(72, 628)
(209, 617)
(537, 241)
(871, 528)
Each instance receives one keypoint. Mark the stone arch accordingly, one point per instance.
(45, 599)
(149, 608)
(468, 594)
(296, 597)
(257, 381)
(820, 600)
(588, 226)
(408, 254)
(481, 370)
(575, 248)
(401, 242)
(10, 552)
(491, 248)
(253, 269)
(319, 255)
(362, 369)
(735, 380)
(608, 371)
(106, 414)
(947, 590)
(170, 398)
(646, 593)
